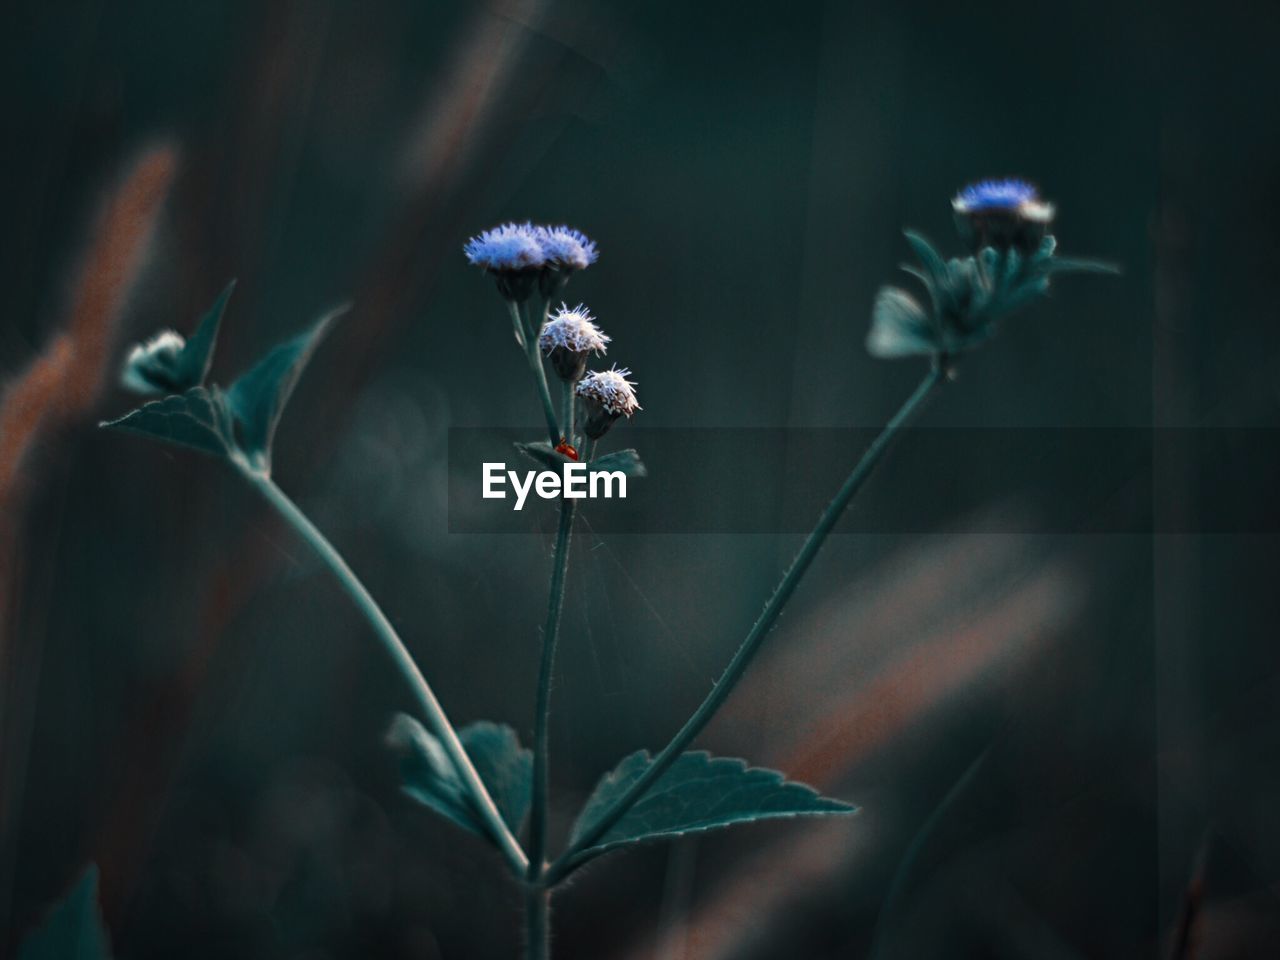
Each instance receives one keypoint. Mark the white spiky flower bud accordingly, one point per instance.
(606, 395)
(568, 339)
(151, 366)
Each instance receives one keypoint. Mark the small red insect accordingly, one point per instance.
(565, 448)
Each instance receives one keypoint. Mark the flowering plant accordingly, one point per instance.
(480, 776)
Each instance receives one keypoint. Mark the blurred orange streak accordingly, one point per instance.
(62, 383)
(831, 732)
(58, 388)
(900, 694)
(451, 126)
(447, 131)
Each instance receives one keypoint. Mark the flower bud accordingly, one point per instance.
(606, 395)
(1002, 214)
(153, 366)
(568, 339)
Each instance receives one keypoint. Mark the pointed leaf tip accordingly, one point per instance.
(697, 793)
(197, 356)
(257, 399)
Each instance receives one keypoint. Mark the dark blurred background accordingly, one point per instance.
(1065, 743)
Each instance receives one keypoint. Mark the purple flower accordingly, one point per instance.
(567, 248)
(509, 248)
(1003, 214)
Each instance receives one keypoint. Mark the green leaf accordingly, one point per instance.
(1081, 265)
(542, 452)
(73, 929)
(198, 419)
(197, 356)
(259, 396)
(505, 769)
(697, 793)
(627, 461)
(929, 258)
(899, 326)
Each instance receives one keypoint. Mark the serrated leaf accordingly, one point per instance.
(697, 793)
(74, 929)
(542, 452)
(899, 326)
(258, 397)
(198, 419)
(197, 356)
(627, 461)
(505, 769)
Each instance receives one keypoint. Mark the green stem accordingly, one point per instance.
(567, 411)
(533, 353)
(773, 609)
(437, 721)
(537, 923)
(542, 716)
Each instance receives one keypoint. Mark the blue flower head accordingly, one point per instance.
(513, 254)
(567, 248)
(1005, 213)
(508, 248)
(1006, 194)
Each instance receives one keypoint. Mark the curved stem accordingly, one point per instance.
(437, 722)
(542, 717)
(773, 609)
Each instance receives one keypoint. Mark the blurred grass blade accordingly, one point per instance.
(74, 929)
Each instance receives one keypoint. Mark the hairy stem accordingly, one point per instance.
(437, 722)
(537, 923)
(742, 658)
(542, 717)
